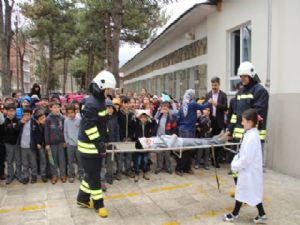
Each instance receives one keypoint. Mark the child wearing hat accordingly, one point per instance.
(144, 127)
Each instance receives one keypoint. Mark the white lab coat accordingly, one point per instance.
(248, 164)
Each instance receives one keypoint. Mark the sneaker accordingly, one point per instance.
(109, 180)
(24, 180)
(63, 179)
(44, 179)
(146, 176)
(157, 171)
(136, 178)
(260, 219)
(197, 166)
(103, 212)
(33, 179)
(71, 179)
(9, 180)
(53, 180)
(118, 176)
(230, 217)
(206, 167)
(179, 173)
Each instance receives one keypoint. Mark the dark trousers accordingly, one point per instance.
(141, 162)
(219, 152)
(184, 163)
(90, 186)
(2, 159)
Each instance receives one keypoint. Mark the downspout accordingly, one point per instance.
(268, 79)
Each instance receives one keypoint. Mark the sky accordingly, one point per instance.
(174, 10)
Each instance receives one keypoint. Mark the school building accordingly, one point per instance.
(211, 39)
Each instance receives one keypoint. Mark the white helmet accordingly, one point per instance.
(105, 79)
(247, 68)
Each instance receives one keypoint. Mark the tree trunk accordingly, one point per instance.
(66, 65)
(21, 56)
(108, 44)
(90, 67)
(51, 64)
(117, 19)
(5, 39)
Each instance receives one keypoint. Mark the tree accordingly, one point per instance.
(6, 35)
(49, 19)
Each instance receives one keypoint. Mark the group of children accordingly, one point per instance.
(42, 138)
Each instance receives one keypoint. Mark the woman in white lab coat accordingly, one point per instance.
(248, 164)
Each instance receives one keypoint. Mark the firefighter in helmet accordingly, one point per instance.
(92, 140)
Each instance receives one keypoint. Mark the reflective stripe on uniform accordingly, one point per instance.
(248, 96)
(84, 186)
(102, 113)
(96, 194)
(262, 134)
(87, 148)
(233, 118)
(92, 133)
(91, 130)
(94, 136)
(87, 151)
(86, 145)
(238, 133)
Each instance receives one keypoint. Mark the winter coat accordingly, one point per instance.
(113, 128)
(248, 164)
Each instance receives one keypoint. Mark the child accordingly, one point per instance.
(203, 130)
(144, 127)
(71, 130)
(25, 102)
(248, 164)
(39, 141)
(113, 136)
(126, 122)
(54, 140)
(166, 125)
(11, 131)
(28, 154)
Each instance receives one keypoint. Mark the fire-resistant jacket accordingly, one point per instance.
(93, 129)
(254, 96)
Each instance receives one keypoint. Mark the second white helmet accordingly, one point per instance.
(247, 68)
(105, 79)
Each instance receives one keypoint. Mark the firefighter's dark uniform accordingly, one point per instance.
(252, 96)
(91, 144)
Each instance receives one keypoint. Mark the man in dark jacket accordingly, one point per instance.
(218, 100)
(91, 142)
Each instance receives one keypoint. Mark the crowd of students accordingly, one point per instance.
(39, 136)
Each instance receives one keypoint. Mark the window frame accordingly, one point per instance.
(231, 76)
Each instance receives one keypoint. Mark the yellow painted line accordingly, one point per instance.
(134, 194)
(24, 208)
(171, 223)
(202, 191)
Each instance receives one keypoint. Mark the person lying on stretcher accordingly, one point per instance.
(173, 141)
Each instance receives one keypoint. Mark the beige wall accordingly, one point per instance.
(233, 14)
(283, 151)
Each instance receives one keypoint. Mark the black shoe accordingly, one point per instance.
(33, 179)
(44, 179)
(169, 171)
(24, 180)
(8, 181)
(157, 171)
(2, 177)
(109, 180)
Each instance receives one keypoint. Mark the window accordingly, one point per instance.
(240, 51)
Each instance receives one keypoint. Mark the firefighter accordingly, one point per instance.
(91, 142)
(251, 95)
